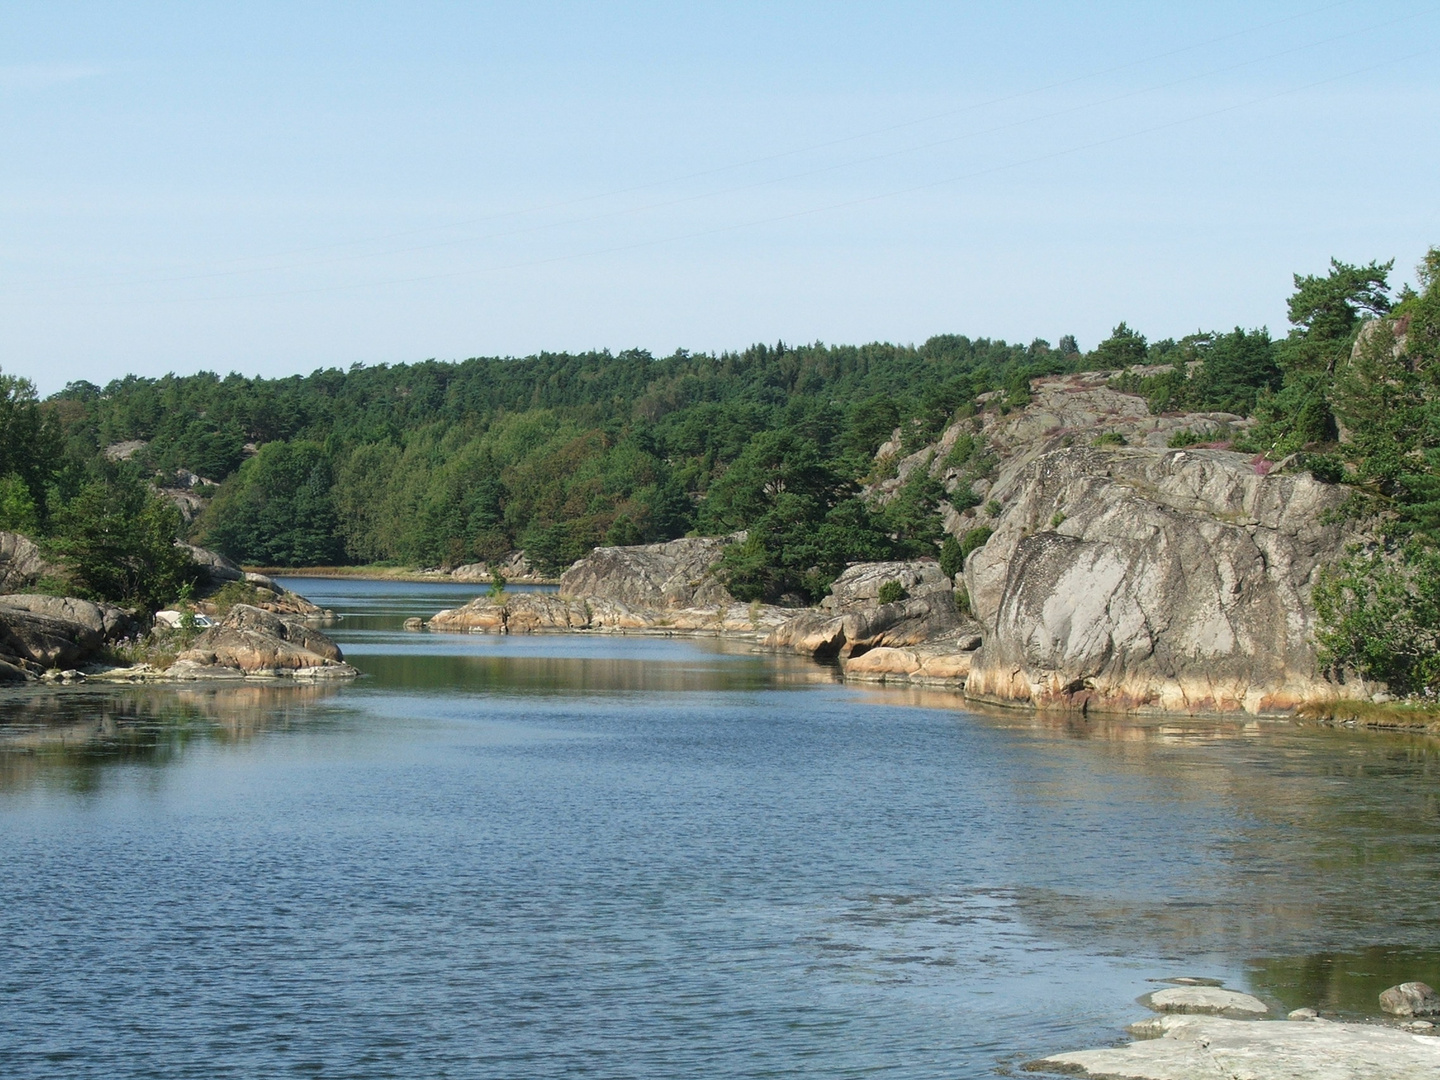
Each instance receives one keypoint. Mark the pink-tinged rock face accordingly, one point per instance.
(1154, 580)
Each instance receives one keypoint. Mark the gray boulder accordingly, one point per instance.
(1410, 999)
(1154, 580)
(859, 585)
(678, 574)
(217, 567)
(21, 564)
(109, 622)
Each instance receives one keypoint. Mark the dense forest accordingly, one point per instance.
(438, 464)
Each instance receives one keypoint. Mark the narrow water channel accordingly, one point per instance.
(624, 857)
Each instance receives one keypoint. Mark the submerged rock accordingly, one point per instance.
(1207, 1047)
(1204, 999)
(1154, 580)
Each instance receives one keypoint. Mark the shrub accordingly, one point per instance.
(1184, 437)
(993, 508)
(892, 592)
(1110, 438)
(963, 498)
(1379, 615)
(952, 563)
(974, 539)
(1057, 519)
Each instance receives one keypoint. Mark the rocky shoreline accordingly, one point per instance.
(1110, 572)
(65, 640)
(1204, 1031)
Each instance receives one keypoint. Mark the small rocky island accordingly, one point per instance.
(67, 639)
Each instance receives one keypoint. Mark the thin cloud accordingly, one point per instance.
(44, 76)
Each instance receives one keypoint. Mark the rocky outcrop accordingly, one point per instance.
(678, 574)
(538, 613)
(21, 564)
(43, 633)
(1178, 1047)
(922, 638)
(516, 567)
(1153, 580)
(267, 594)
(216, 568)
(252, 642)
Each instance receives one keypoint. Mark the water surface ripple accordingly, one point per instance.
(631, 857)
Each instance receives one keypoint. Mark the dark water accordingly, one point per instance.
(632, 857)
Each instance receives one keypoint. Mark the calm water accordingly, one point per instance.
(556, 856)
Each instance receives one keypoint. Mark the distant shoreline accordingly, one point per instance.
(386, 573)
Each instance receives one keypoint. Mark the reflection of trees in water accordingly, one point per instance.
(1345, 984)
(1307, 835)
(75, 732)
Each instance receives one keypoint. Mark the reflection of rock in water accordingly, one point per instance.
(81, 730)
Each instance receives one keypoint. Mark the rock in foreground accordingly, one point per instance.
(1209, 1047)
(1410, 999)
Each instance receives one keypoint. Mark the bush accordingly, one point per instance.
(974, 539)
(952, 563)
(1110, 438)
(1379, 615)
(963, 498)
(993, 508)
(892, 592)
(1183, 438)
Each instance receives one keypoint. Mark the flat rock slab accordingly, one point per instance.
(1204, 999)
(1211, 1047)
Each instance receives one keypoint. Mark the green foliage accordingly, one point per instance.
(974, 539)
(952, 562)
(497, 585)
(1057, 519)
(116, 539)
(1109, 438)
(892, 592)
(993, 509)
(1183, 438)
(912, 515)
(279, 511)
(235, 592)
(1379, 615)
(1121, 349)
(18, 512)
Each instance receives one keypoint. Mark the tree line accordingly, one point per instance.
(440, 464)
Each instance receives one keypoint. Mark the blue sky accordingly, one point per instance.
(275, 188)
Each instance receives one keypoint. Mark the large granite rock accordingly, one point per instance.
(21, 564)
(44, 633)
(678, 574)
(249, 641)
(1210, 1047)
(860, 583)
(107, 621)
(1154, 580)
